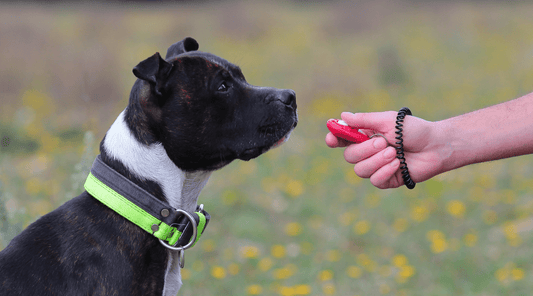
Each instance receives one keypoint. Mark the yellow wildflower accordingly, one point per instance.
(302, 290)
(293, 229)
(265, 264)
(361, 227)
(229, 197)
(254, 290)
(218, 272)
(346, 218)
(439, 246)
(333, 255)
(434, 234)
(372, 200)
(400, 224)
(470, 239)
(517, 274)
(249, 252)
(278, 251)
(399, 260)
(456, 208)
(208, 245)
(407, 271)
(325, 275)
(285, 272)
(419, 213)
(502, 274)
(354, 271)
(294, 188)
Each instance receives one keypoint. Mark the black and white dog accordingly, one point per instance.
(188, 115)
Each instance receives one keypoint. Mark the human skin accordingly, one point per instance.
(431, 148)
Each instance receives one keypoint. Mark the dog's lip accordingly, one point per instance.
(256, 151)
(283, 139)
(286, 137)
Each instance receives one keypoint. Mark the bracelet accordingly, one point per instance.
(399, 150)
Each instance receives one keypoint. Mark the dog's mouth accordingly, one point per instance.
(283, 139)
(286, 137)
(256, 151)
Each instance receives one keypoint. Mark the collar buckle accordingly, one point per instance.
(193, 237)
(197, 229)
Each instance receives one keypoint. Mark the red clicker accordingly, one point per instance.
(341, 129)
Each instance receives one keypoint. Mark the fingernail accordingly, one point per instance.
(379, 143)
(346, 113)
(394, 163)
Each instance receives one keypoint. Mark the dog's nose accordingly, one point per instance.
(288, 97)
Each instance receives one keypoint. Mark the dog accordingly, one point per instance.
(188, 115)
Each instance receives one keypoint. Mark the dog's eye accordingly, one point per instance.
(223, 87)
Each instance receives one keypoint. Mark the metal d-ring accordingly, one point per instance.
(193, 238)
(380, 135)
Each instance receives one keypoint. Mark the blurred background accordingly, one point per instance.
(296, 221)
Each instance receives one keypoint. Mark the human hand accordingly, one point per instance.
(376, 160)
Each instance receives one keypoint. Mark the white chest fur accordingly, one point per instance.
(181, 188)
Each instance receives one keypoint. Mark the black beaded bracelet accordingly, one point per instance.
(399, 149)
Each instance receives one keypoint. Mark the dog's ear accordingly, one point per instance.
(155, 70)
(185, 45)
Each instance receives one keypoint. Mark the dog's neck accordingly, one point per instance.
(150, 167)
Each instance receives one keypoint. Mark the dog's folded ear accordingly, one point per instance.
(155, 70)
(185, 45)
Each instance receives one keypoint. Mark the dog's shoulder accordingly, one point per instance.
(68, 248)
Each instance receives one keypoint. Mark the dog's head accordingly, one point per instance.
(200, 107)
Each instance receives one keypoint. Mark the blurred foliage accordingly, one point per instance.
(296, 221)
(8, 229)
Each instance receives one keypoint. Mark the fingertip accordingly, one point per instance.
(346, 114)
(394, 164)
(355, 119)
(379, 143)
(331, 141)
(347, 117)
(383, 178)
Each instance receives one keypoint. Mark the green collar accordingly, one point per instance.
(176, 229)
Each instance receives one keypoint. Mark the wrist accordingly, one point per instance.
(451, 149)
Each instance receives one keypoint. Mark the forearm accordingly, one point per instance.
(492, 133)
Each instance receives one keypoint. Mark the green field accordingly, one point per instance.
(296, 221)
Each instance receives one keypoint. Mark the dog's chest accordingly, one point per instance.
(172, 275)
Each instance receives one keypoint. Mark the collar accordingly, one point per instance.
(176, 229)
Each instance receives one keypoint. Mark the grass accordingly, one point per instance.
(295, 221)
